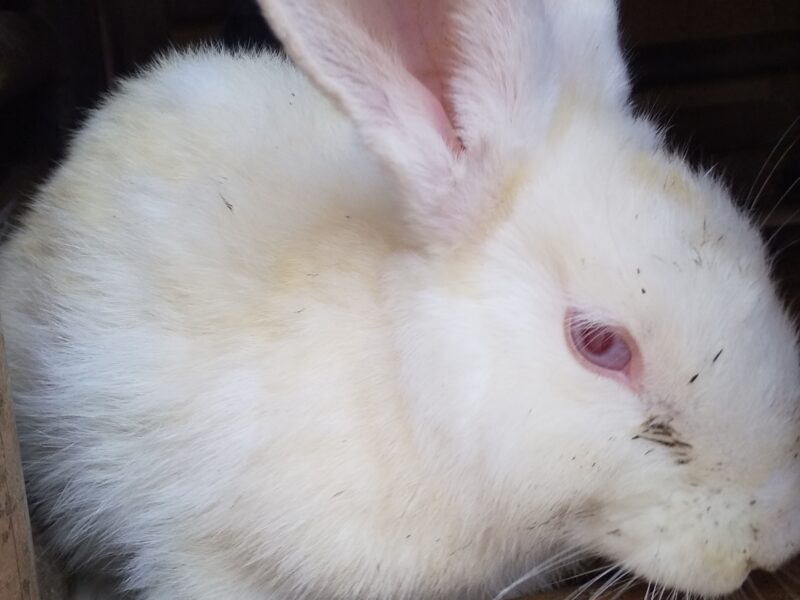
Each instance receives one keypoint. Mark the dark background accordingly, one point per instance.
(723, 74)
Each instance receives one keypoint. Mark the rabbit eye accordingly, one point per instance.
(603, 346)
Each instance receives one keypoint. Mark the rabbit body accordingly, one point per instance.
(238, 376)
(198, 284)
(180, 306)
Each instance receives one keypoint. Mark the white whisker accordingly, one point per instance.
(792, 594)
(774, 258)
(625, 587)
(607, 585)
(777, 204)
(750, 201)
(558, 560)
(647, 590)
(577, 593)
(754, 589)
(791, 576)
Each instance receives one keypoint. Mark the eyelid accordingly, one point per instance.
(631, 376)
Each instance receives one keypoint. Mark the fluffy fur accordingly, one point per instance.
(265, 347)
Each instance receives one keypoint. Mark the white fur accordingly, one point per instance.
(240, 376)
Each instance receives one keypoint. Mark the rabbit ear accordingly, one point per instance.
(382, 62)
(448, 93)
(586, 35)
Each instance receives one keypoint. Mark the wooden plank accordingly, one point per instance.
(17, 566)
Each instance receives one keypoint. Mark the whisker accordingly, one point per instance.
(652, 590)
(577, 593)
(779, 201)
(750, 205)
(789, 592)
(647, 591)
(589, 584)
(791, 576)
(608, 585)
(784, 224)
(754, 589)
(655, 591)
(625, 587)
(740, 593)
(792, 570)
(579, 575)
(775, 255)
(772, 172)
(560, 559)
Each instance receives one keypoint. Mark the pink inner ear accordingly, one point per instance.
(419, 33)
(435, 110)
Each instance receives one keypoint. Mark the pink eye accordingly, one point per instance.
(600, 346)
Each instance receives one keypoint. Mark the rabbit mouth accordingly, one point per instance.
(707, 546)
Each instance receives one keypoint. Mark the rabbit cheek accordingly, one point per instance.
(658, 430)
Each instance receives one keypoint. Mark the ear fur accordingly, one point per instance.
(586, 34)
(450, 94)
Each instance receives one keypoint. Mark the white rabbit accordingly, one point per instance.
(458, 318)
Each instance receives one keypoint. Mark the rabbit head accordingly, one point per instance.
(587, 326)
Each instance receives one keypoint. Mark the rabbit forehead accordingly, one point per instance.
(607, 201)
(629, 232)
